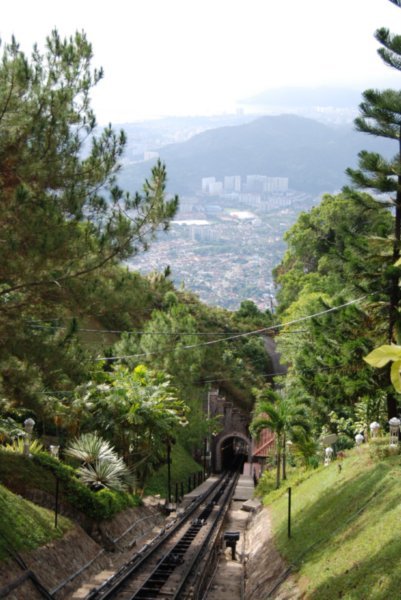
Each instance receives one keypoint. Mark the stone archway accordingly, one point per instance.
(220, 442)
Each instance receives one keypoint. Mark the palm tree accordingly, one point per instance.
(280, 415)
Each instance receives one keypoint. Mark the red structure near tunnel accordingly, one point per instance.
(264, 445)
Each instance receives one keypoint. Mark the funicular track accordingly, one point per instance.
(175, 565)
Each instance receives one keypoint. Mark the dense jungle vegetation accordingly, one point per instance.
(110, 365)
(114, 366)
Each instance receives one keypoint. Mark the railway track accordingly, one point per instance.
(176, 564)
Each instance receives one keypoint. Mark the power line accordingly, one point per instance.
(135, 332)
(242, 335)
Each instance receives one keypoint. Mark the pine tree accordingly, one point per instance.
(63, 215)
(380, 115)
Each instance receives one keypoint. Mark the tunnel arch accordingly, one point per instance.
(218, 454)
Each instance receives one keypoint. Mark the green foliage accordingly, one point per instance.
(136, 410)
(9, 428)
(329, 246)
(90, 448)
(380, 113)
(167, 342)
(380, 357)
(105, 474)
(305, 448)
(22, 474)
(266, 484)
(333, 257)
(370, 409)
(282, 416)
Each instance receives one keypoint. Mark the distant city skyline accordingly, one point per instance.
(192, 57)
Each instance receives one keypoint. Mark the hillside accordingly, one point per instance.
(312, 155)
(344, 541)
(326, 96)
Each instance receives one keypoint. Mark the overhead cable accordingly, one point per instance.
(241, 335)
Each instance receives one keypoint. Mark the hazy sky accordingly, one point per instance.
(182, 57)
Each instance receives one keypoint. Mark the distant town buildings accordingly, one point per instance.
(232, 183)
(255, 190)
(254, 184)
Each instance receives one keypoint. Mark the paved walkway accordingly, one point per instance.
(245, 488)
(228, 583)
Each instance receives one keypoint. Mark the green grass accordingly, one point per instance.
(25, 525)
(346, 528)
(182, 466)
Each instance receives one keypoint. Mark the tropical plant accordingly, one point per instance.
(90, 448)
(112, 474)
(305, 447)
(137, 411)
(384, 355)
(21, 445)
(102, 467)
(282, 416)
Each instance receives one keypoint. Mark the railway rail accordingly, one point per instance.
(176, 564)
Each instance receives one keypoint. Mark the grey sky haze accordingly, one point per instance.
(185, 57)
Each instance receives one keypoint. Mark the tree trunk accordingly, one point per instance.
(284, 459)
(278, 456)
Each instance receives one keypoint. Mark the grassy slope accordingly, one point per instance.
(24, 525)
(182, 465)
(346, 527)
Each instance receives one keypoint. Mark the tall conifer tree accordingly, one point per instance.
(380, 115)
(63, 214)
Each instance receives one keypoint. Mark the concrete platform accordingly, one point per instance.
(244, 489)
(199, 490)
(252, 505)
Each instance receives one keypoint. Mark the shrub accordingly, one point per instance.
(379, 448)
(267, 483)
(100, 505)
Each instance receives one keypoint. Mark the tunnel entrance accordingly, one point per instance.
(230, 449)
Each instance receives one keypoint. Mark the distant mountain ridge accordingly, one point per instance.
(307, 97)
(312, 155)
